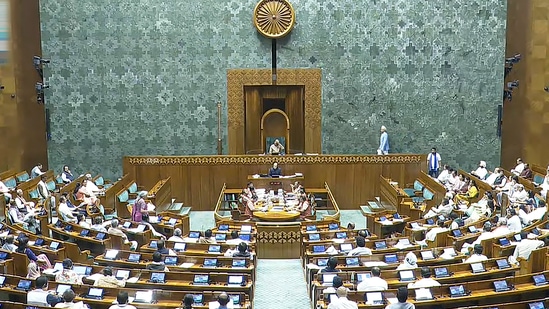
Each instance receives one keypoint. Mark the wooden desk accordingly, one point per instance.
(277, 216)
(392, 193)
(278, 240)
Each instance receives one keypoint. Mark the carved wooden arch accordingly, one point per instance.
(237, 79)
(263, 137)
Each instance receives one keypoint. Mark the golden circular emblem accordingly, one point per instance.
(274, 18)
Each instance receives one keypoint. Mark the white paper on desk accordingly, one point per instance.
(374, 263)
(190, 240)
(49, 271)
(187, 265)
(449, 251)
(255, 176)
(299, 174)
(400, 245)
(132, 280)
(398, 220)
(386, 222)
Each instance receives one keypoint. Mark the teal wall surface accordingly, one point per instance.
(142, 77)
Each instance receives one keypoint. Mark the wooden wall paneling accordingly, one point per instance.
(253, 113)
(31, 121)
(296, 112)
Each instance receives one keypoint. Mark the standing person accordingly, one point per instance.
(433, 162)
(139, 207)
(383, 142)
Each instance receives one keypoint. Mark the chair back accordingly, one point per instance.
(132, 188)
(100, 181)
(22, 177)
(123, 197)
(12, 183)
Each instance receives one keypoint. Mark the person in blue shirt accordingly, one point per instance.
(275, 170)
(383, 142)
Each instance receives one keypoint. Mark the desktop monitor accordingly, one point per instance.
(313, 237)
(246, 229)
(457, 233)
(539, 279)
(245, 237)
(179, 246)
(61, 288)
(333, 226)
(322, 262)
(2, 280)
(170, 260)
(235, 280)
(3, 256)
(504, 242)
(328, 279)
(503, 264)
(477, 268)
(363, 276)
(82, 270)
(39, 242)
(441, 272)
(158, 277)
(54, 245)
(141, 228)
(122, 274)
(311, 228)
(68, 228)
(145, 297)
(239, 263)
(397, 216)
(517, 237)
(214, 248)
(427, 255)
(536, 305)
(341, 235)
(24, 285)
(172, 221)
(472, 229)
(201, 279)
(210, 262)
(500, 286)
(153, 244)
(95, 293)
(352, 261)
(406, 275)
(127, 224)
(134, 257)
(318, 249)
(220, 237)
(100, 236)
(457, 290)
(414, 225)
(391, 258)
(235, 299)
(84, 233)
(374, 298)
(111, 254)
(423, 294)
(380, 245)
(198, 299)
(194, 234)
(346, 247)
(430, 221)
(223, 227)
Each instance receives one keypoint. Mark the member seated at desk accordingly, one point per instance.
(360, 247)
(431, 235)
(242, 251)
(188, 302)
(107, 280)
(161, 247)
(402, 296)
(481, 171)
(235, 239)
(375, 283)
(176, 237)
(276, 148)
(28, 220)
(275, 171)
(122, 301)
(8, 244)
(115, 229)
(22, 204)
(157, 263)
(477, 255)
(472, 192)
(42, 260)
(223, 299)
(250, 191)
(5, 190)
(445, 208)
(426, 281)
(98, 225)
(342, 302)
(336, 283)
(330, 266)
(64, 211)
(67, 275)
(304, 207)
(85, 196)
(33, 271)
(296, 187)
(525, 246)
(145, 221)
(207, 238)
(81, 221)
(68, 298)
(67, 175)
(410, 262)
(40, 296)
(249, 206)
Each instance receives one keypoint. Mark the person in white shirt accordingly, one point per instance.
(519, 168)
(22, 204)
(98, 225)
(432, 233)
(433, 162)
(513, 223)
(122, 301)
(519, 195)
(176, 237)
(36, 171)
(65, 211)
(477, 255)
(481, 171)
(41, 296)
(336, 283)
(81, 219)
(276, 148)
(410, 262)
(445, 209)
(375, 283)
(443, 176)
(492, 177)
(67, 175)
(453, 178)
(425, 282)
(5, 190)
(524, 248)
(90, 186)
(508, 189)
(43, 188)
(360, 247)
(499, 180)
(402, 296)
(8, 244)
(545, 185)
(28, 220)
(68, 297)
(235, 239)
(502, 228)
(342, 302)
(486, 234)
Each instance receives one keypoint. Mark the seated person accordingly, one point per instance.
(176, 236)
(426, 281)
(276, 148)
(296, 187)
(410, 262)
(402, 296)
(41, 260)
(519, 195)
(375, 283)
(33, 271)
(36, 171)
(342, 302)
(275, 170)
(67, 175)
(85, 196)
(122, 301)
(501, 228)
(431, 235)
(498, 180)
(242, 251)
(22, 204)
(524, 248)
(518, 168)
(65, 211)
(98, 225)
(40, 296)
(8, 244)
(145, 221)
(472, 192)
(527, 172)
(28, 220)
(443, 176)
(107, 280)
(336, 282)
(81, 221)
(513, 222)
(360, 247)
(5, 190)
(235, 239)
(67, 275)
(304, 207)
(477, 255)
(157, 263)
(249, 206)
(68, 297)
(207, 238)
(330, 266)
(90, 185)
(445, 208)
(161, 247)
(481, 171)
(115, 229)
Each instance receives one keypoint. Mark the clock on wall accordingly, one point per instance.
(274, 18)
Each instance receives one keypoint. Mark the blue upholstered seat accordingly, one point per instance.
(538, 179)
(123, 197)
(132, 188)
(59, 179)
(50, 185)
(411, 192)
(23, 177)
(10, 182)
(34, 193)
(426, 196)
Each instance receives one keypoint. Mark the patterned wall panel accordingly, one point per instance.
(143, 77)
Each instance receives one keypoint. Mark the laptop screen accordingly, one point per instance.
(346, 247)
(24, 284)
(170, 260)
(220, 237)
(333, 226)
(536, 305)
(214, 248)
(427, 255)
(194, 234)
(441, 272)
(144, 296)
(477, 267)
(246, 229)
(391, 258)
(311, 228)
(223, 227)
(236, 280)
(134, 257)
(158, 277)
(111, 254)
(430, 221)
(502, 263)
(245, 237)
(95, 292)
(406, 275)
(179, 246)
(341, 235)
(328, 279)
(363, 276)
(517, 237)
(201, 279)
(457, 290)
(381, 245)
(122, 273)
(414, 225)
(198, 299)
(239, 263)
(322, 262)
(374, 297)
(210, 262)
(352, 261)
(472, 229)
(539, 279)
(314, 236)
(61, 288)
(318, 249)
(423, 294)
(141, 227)
(54, 245)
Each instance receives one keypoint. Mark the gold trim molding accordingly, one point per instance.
(268, 160)
(237, 79)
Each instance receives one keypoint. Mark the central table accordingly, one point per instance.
(277, 216)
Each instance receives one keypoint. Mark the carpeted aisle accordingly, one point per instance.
(280, 284)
